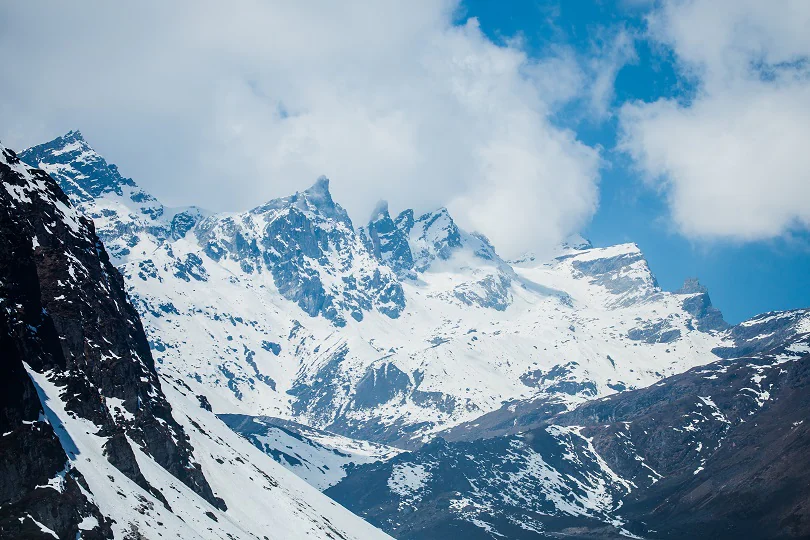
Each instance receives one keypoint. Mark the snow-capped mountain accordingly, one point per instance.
(95, 444)
(308, 245)
(389, 332)
(717, 452)
(285, 350)
(130, 221)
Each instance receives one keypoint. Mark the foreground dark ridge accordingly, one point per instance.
(65, 314)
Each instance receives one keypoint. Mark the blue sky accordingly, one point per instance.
(744, 278)
(681, 125)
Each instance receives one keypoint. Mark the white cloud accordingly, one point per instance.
(733, 162)
(613, 53)
(226, 105)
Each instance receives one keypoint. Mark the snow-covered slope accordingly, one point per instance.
(319, 457)
(263, 499)
(389, 333)
(142, 458)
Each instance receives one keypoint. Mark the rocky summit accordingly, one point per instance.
(221, 375)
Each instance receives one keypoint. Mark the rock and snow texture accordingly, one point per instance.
(717, 452)
(308, 244)
(392, 332)
(41, 494)
(107, 449)
(388, 241)
(330, 348)
(319, 457)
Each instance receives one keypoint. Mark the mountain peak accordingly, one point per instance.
(441, 211)
(699, 305)
(388, 242)
(319, 188)
(577, 242)
(436, 235)
(72, 142)
(405, 221)
(692, 286)
(316, 199)
(81, 172)
(73, 136)
(380, 211)
(438, 218)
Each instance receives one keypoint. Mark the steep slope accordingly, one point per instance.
(720, 451)
(728, 441)
(84, 296)
(319, 457)
(307, 243)
(388, 242)
(391, 333)
(41, 493)
(130, 221)
(117, 456)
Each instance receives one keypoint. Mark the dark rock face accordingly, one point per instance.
(190, 268)
(721, 451)
(30, 452)
(405, 221)
(183, 222)
(558, 380)
(285, 236)
(388, 242)
(698, 304)
(381, 384)
(89, 340)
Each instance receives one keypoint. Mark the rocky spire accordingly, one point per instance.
(699, 305)
(388, 242)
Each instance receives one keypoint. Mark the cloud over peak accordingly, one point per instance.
(226, 105)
